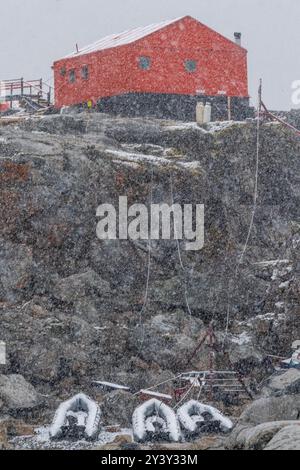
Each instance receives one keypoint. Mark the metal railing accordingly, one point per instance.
(37, 90)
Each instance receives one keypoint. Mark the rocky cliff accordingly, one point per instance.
(71, 305)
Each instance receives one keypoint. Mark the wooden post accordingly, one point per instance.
(22, 86)
(11, 95)
(259, 98)
(40, 94)
(244, 387)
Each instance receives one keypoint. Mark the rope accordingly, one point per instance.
(184, 396)
(256, 178)
(179, 254)
(203, 382)
(161, 383)
(255, 198)
(227, 316)
(289, 126)
(286, 124)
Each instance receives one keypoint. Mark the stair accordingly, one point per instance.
(36, 94)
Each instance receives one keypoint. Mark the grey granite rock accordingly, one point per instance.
(286, 439)
(71, 304)
(17, 394)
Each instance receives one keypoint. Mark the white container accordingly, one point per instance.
(200, 113)
(207, 113)
(2, 353)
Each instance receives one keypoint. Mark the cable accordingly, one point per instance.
(286, 124)
(255, 197)
(161, 383)
(179, 255)
(184, 396)
(228, 315)
(256, 176)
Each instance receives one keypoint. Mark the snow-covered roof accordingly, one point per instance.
(127, 37)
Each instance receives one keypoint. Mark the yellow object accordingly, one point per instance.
(89, 104)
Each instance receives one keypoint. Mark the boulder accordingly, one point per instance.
(257, 437)
(169, 339)
(286, 439)
(79, 286)
(271, 409)
(17, 394)
(284, 383)
(242, 347)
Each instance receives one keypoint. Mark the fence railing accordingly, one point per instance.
(18, 88)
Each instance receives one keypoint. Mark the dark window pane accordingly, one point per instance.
(85, 72)
(63, 71)
(144, 63)
(190, 65)
(72, 76)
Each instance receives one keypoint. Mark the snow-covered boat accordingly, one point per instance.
(196, 418)
(77, 418)
(155, 421)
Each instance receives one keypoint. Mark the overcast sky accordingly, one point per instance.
(33, 33)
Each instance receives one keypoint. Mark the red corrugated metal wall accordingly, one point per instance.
(221, 66)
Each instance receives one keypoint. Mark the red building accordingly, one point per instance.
(161, 70)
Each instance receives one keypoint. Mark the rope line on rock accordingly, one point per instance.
(179, 254)
(255, 198)
(256, 175)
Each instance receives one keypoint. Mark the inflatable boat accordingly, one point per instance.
(77, 418)
(155, 421)
(196, 418)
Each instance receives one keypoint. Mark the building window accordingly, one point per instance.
(85, 72)
(72, 76)
(190, 66)
(63, 71)
(144, 63)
